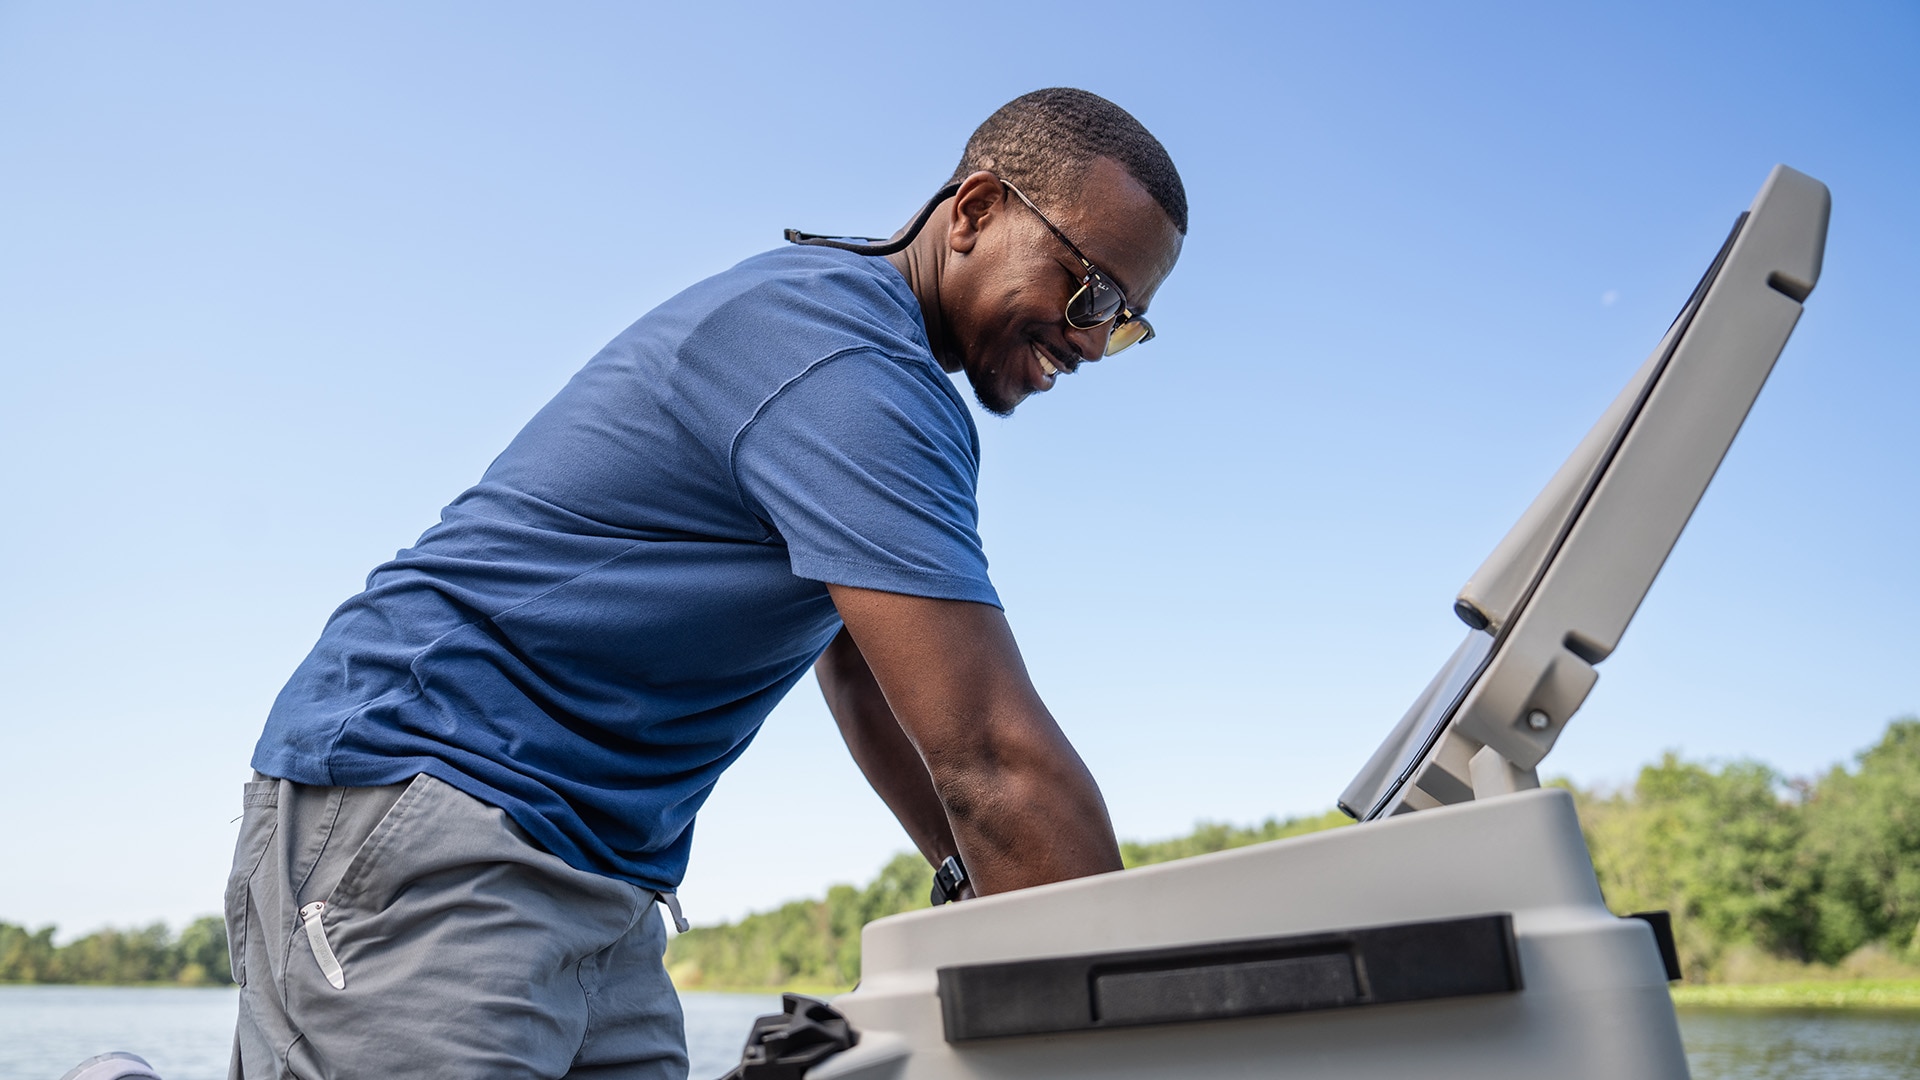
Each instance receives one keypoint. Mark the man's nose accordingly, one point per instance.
(1090, 344)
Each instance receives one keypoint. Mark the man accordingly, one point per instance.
(470, 795)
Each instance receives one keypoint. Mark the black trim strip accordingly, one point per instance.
(1225, 980)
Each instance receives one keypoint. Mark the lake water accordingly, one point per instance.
(46, 1030)
(188, 1034)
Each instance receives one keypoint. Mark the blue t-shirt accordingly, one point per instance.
(595, 630)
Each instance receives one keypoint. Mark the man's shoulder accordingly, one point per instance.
(719, 354)
(807, 265)
(840, 298)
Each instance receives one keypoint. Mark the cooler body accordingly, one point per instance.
(1467, 941)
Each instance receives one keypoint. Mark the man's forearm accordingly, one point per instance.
(883, 751)
(1027, 811)
(1022, 808)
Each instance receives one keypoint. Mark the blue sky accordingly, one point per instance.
(276, 284)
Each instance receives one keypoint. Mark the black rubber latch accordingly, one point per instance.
(1662, 924)
(785, 1045)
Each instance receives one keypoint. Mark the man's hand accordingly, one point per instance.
(936, 706)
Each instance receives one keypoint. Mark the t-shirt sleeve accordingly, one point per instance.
(866, 467)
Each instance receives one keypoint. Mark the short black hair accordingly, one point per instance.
(1044, 142)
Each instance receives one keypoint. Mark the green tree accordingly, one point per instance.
(1210, 836)
(807, 942)
(139, 955)
(1863, 842)
(202, 953)
(143, 955)
(26, 956)
(817, 942)
(1716, 849)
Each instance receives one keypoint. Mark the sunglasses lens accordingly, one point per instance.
(1127, 335)
(1095, 303)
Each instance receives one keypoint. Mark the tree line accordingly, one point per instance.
(1766, 877)
(816, 943)
(150, 954)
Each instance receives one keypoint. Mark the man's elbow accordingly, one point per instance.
(1026, 816)
(1005, 777)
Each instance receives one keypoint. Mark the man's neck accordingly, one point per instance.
(920, 263)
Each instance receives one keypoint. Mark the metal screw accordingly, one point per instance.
(1538, 720)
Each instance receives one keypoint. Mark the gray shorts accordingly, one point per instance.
(413, 930)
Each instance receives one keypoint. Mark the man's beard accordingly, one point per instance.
(988, 395)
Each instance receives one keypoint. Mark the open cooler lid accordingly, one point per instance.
(1558, 592)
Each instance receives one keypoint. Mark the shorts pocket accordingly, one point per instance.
(360, 870)
(329, 923)
(259, 817)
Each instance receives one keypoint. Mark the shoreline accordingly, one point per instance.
(1888, 994)
(1803, 994)
(1893, 994)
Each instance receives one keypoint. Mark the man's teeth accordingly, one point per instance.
(1046, 365)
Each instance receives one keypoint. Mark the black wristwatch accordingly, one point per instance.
(948, 880)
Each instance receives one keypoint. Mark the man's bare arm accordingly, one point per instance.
(1022, 808)
(881, 749)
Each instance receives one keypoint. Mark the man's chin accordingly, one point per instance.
(994, 398)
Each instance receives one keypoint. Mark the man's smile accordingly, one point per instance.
(1052, 364)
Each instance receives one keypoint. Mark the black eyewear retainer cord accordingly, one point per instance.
(868, 245)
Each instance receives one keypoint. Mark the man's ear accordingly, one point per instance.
(981, 197)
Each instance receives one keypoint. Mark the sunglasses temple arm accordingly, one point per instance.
(861, 245)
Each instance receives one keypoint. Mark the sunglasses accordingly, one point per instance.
(1097, 301)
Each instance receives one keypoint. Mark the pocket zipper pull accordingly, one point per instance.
(322, 952)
